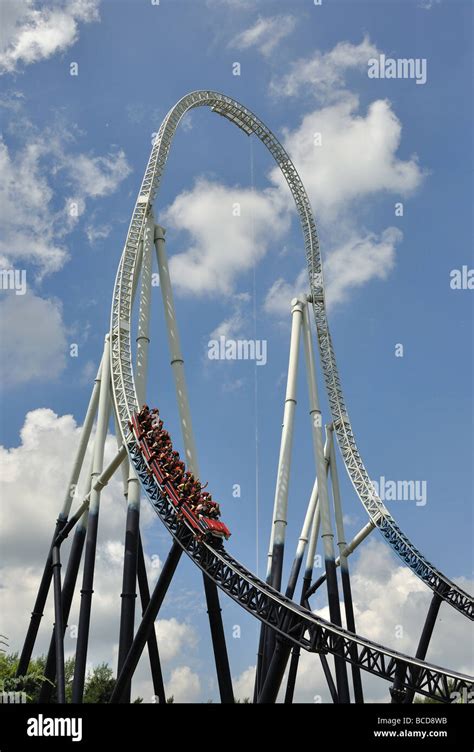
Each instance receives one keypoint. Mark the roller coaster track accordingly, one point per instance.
(299, 625)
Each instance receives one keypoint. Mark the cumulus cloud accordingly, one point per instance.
(35, 475)
(323, 74)
(33, 31)
(32, 339)
(230, 230)
(357, 158)
(33, 482)
(390, 606)
(234, 325)
(347, 158)
(99, 232)
(34, 224)
(184, 685)
(265, 34)
(348, 266)
(280, 294)
(171, 635)
(358, 261)
(97, 176)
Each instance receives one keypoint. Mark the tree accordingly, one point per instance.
(98, 687)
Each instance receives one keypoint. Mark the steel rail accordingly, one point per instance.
(280, 614)
(295, 623)
(121, 362)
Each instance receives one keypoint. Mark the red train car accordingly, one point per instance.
(203, 527)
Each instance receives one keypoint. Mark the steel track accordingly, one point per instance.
(126, 404)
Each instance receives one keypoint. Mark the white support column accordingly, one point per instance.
(357, 540)
(102, 425)
(83, 442)
(177, 364)
(280, 507)
(308, 521)
(341, 542)
(313, 541)
(341, 539)
(177, 361)
(323, 507)
(317, 431)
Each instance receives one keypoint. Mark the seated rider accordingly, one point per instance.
(143, 413)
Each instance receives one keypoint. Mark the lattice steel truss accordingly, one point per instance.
(121, 356)
(294, 622)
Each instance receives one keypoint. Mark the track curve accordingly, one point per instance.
(121, 360)
(297, 624)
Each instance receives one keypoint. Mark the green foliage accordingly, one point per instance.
(98, 685)
(29, 684)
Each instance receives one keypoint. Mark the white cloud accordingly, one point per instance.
(358, 261)
(357, 158)
(357, 162)
(281, 293)
(33, 228)
(428, 4)
(234, 325)
(223, 246)
(35, 475)
(33, 482)
(265, 34)
(27, 217)
(350, 265)
(97, 176)
(387, 596)
(32, 339)
(99, 232)
(323, 74)
(184, 685)
(32, 32)
(171, 635)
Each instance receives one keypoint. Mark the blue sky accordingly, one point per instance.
(86, 139)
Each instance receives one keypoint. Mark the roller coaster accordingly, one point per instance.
(287, 626)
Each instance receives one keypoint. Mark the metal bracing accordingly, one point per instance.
(341, 543)
(327, 534)
(68, 588)
(295, 625)
(273, 658)
(132, 525)
(122, 372)
(294, 622)
(43, 589)
(177, 364)
(280, 506)
(103, 414)
(355, 542)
